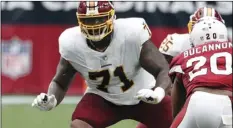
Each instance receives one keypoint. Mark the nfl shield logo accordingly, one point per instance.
(16, 58)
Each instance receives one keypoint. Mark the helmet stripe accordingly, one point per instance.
(91, 5)
(209, 12)
(213, 12)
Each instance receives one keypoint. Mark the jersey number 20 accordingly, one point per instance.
(105, 74)
(201, 60)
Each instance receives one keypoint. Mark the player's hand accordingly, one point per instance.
(44, 102)
(150, 96)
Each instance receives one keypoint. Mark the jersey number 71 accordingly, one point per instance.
(105, 74)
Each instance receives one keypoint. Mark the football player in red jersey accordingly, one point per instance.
(176, 43)
(202, 90)
(117, 59)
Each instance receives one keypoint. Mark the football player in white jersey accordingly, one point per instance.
(176, 43)
(117, 59)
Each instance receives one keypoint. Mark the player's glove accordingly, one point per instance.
(44, 102)
(150, 96)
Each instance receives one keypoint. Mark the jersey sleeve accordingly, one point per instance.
(138, 30)
(65, 46)
(167, 46)
(176, 66)
(144, 32)
(174, 44)
(140, 33)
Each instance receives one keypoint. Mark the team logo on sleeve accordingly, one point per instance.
(16, 58)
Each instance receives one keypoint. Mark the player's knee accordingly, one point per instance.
(79, 124)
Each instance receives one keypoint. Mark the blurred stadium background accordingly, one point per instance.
(29, 41)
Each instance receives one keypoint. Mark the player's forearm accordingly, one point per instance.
(62, 79)
(154, 62)
(163, 80)
(175, 110)
(178, 97)
(177, 104)
(56, 90)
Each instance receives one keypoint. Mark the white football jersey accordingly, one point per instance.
(114, 74)
(174, 44)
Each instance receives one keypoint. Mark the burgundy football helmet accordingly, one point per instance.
(95, 19)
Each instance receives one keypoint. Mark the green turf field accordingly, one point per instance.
(24, 116)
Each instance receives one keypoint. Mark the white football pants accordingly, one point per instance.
(206, 110)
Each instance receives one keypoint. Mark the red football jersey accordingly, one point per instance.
(207, 65)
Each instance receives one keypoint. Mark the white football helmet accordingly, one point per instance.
(208, 29)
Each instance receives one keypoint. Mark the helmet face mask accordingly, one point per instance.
(190, 25)
(96, 24)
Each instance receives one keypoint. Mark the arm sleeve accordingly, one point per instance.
(176, 67)
(140, 34)
(168, 45)
(144, 33)
(65, 46)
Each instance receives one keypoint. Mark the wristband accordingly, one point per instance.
(160, 93)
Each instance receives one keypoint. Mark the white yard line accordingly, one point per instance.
(16, 100)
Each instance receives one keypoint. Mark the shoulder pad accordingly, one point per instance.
(66, 42)
(134, 29)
